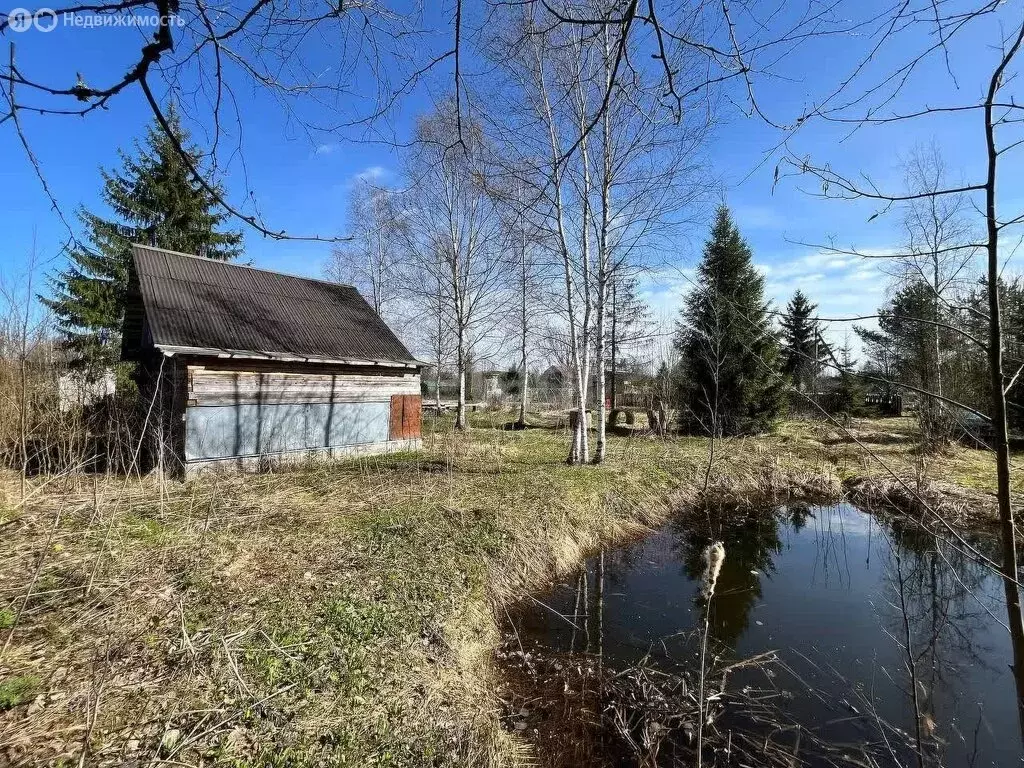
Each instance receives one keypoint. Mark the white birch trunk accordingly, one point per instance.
(525, 381)
(460, 412)
(603, 263)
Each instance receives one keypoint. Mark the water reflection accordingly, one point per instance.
(857, 607)
(751, 543)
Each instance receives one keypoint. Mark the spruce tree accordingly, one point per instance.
(848, 397)
(155, 200)
(803, 348)
(627, 323)
(725, 336)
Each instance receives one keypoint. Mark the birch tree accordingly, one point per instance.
(611, 173)
(371, 260)
(452, 234)
(940, 254)
(647, 187)
(545, 67)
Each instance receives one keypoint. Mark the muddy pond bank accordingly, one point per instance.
(808, 654)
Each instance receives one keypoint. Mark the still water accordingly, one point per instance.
(821, 585)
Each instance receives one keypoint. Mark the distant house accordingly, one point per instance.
(245, 366)
(492, 384)
(78, 389)
(553, 377)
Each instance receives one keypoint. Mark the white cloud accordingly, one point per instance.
(371, 174)
(326, 149)
(839, 262)
(843, 286)
(664, 289)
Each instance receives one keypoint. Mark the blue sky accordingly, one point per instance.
(301, 181)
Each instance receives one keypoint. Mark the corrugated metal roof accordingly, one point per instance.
(220, 307)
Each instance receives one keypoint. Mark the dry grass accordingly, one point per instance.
(340, 614)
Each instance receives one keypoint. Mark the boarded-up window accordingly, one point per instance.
(406, 415)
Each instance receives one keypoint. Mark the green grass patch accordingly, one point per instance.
(18, 690)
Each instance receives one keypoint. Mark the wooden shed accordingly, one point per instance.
(244, 367)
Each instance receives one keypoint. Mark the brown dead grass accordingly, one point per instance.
(340, 614)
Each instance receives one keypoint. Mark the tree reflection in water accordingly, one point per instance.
(947, 599)
(824, 579)
(752, 541)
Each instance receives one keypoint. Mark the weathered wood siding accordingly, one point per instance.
(239, 413)
(219, 387)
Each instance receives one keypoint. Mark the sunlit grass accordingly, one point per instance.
(343, 613)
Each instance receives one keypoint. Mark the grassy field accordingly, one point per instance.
(344, 614)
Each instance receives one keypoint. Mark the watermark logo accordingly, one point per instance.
(21, 19)
(46, 19)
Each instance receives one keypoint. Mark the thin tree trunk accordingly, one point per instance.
(23, 415)
(935, 328)
(437, 385)
(603, 264)
(440, 351)
(601, 417)
(614, 342)
(524, 385)
(460, 411)
(575, 447)
(583, 377)
(995, 354)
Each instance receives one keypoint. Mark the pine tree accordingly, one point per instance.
(155, 200)
(849, 392)
(803, 348)
(627, 324)
(973, 385)
(730, 353)
(902, 350)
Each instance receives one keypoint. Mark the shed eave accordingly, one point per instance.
(170, 350)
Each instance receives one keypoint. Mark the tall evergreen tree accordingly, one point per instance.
(848, 396)
(902, 350)
(627, 324)
(972, 361)
(155, 200)
(730, 353)
(803, 348)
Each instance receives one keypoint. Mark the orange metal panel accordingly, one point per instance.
(412, 416)
(395, 426)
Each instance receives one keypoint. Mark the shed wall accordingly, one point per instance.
(235, 413)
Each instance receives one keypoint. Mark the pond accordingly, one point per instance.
(821, 586)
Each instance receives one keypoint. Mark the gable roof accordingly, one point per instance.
(194, 305)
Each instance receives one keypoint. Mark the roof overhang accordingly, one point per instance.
(285, 357)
